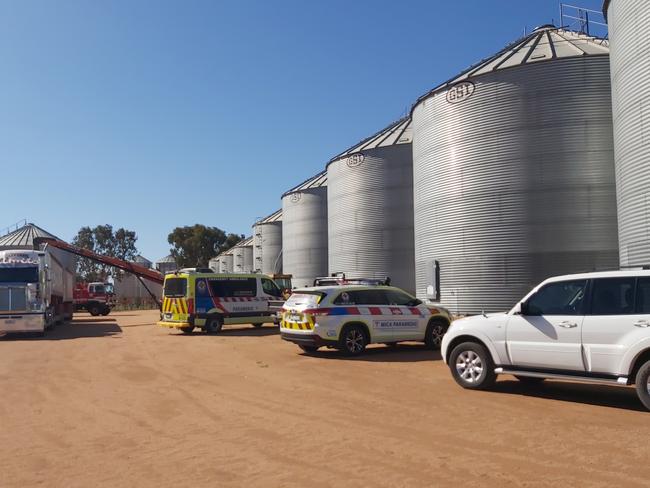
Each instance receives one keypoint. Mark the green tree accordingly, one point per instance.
(193, 246)
(103, 240)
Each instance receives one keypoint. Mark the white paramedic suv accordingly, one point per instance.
(349, 317)
(586, 327)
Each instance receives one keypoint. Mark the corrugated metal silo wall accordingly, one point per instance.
(247, 263)
(226, 263)
(215, 265)
(515, 183)
(629, 31)
(370, 215)
(268, 246)
(237, 260)
(304, 235)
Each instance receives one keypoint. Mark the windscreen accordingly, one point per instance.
(27, 274)
(304, 299)
(175, 287)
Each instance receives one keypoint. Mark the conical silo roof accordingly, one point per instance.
(546, 43)
(23, 238)
(274, 217)
(316, 181)
(399, 132)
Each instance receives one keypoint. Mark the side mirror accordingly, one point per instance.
(520, 309)
(416, 302)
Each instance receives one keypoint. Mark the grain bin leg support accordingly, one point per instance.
(155, 298)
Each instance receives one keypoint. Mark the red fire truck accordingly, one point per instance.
(97, 298)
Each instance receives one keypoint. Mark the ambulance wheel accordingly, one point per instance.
(435, 332)
(353, 340)
(308, 349)
(187, 330)
(213, 325)
(94, 310)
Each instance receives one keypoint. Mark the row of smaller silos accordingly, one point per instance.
(500, 177)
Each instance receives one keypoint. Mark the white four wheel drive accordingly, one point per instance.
(591, 327)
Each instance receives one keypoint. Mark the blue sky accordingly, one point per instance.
(154, 114)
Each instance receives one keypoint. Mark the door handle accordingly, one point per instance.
(568, 325)
(642, 323)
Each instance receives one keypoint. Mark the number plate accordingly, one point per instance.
(294, 317)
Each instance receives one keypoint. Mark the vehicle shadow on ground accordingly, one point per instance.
(589, 394)
(233, 331)
(400, 353)
(77, 329)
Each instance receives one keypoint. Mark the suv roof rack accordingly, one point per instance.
(337, 279)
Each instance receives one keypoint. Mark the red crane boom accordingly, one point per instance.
(135, 269)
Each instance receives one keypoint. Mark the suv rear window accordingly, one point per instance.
(175, 287)
(234, 287)
(362, 297)
(612, 296)
(304, 299)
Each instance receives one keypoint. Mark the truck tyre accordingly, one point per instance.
(106, 310)
(642, 382)
(353, 340)
(213, 325)
(436, 329)
(94, 310)
(472, 367)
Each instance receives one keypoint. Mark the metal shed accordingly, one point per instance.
(304, 230)
(370, 207)
(514, 173)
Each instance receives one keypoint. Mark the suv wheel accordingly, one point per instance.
(642, 381)
(471, 366)
(213, 325)
(353, 340)
(435, 332)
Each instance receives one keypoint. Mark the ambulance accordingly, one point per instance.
(349, 317)
(193, 298)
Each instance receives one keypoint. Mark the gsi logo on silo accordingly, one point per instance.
(460, 92)
(295, 197)
(355, 160)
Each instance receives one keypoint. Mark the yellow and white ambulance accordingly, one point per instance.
(195, 299)
(349, 317)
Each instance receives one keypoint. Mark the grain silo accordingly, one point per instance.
(267, 244)
(226, 260)
(243, 256)
(304, 230)
(370, 208)
(514, 172)
(215, 264)
(629, 33)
